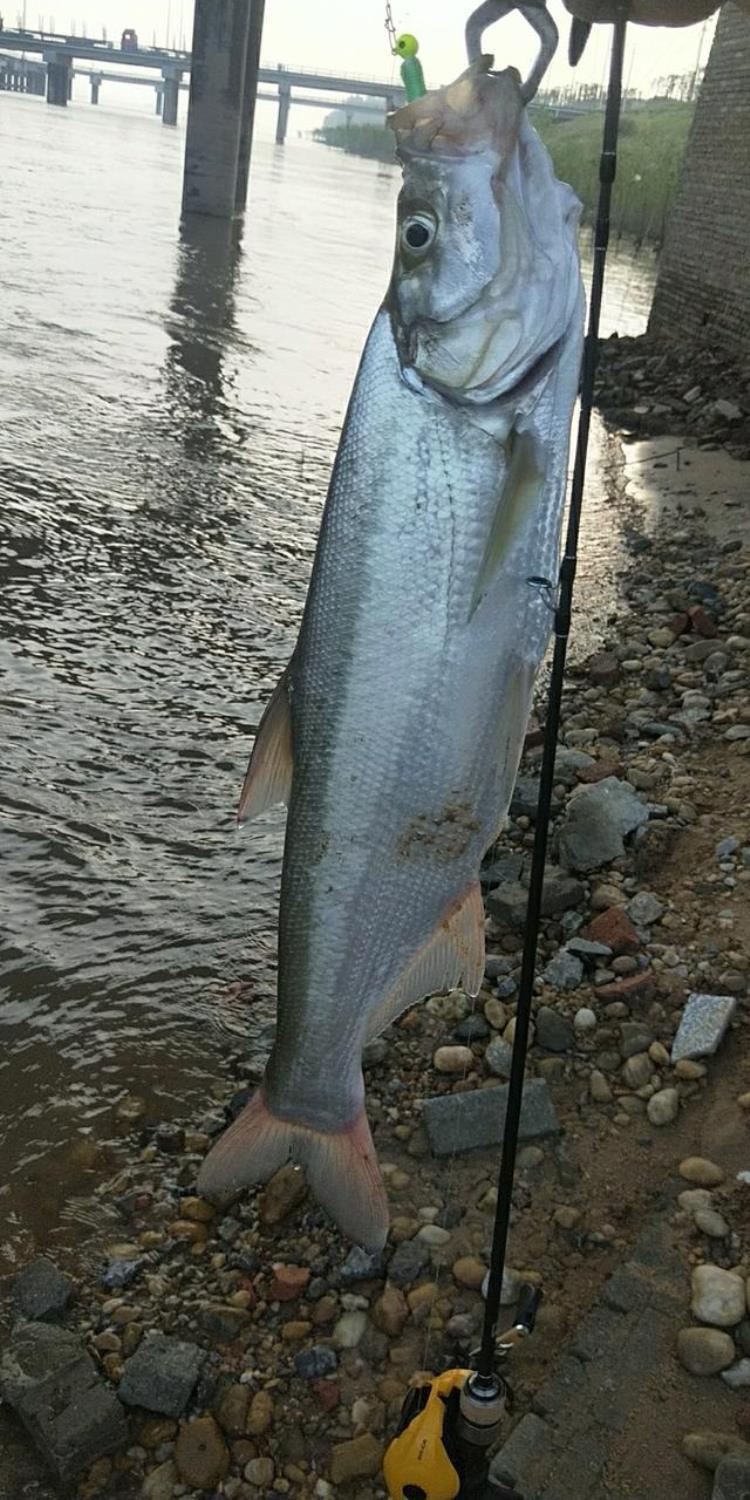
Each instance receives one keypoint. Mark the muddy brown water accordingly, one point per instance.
(169, 411)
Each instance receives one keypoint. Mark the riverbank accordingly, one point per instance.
(292, 1353)
(652, 142)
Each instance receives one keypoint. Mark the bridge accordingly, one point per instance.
(59, 52)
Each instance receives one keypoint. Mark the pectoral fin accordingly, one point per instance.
(521, 492)
(269, 775)
(453, 955)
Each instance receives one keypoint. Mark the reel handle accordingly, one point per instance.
(529, 1299)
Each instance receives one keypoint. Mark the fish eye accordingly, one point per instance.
(418, 232)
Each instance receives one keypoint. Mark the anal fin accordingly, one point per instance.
(268, 779)
(453, 955)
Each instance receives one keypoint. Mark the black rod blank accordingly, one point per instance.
(607, 170)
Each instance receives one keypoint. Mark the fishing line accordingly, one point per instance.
(607, 171)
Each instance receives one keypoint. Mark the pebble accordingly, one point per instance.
(260, 1415)
(718, 1296)
(311, 1364)
(160, 1483)
(289, 1282)
(407, 1261)
(434, 1236)
(701, 1172)
(349, 1329)
(709, 1221)
(260, 1472)
(584, 1020)
(645, 909)
(360, 1458)
(391, 1310)
(201, 1455)
(638, 1070)
(705, 1351)
(738, 1376)
(564, 971)
(554, 1032)
(599, 1088)
(664, 1107)
(469, 1272)
(496, 1013)
(473, 1028)
(707, 1449)
(499, 1058)
(453, 1059)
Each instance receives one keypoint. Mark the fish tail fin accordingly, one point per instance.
(341, 1167)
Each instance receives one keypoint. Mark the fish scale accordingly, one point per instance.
(396, 732)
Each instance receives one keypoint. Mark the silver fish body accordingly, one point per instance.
(405, 703)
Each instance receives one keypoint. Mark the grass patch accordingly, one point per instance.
(652, 143)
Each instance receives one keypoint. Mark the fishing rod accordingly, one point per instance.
(447, 1426)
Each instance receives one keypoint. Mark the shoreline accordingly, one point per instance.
(301, 1348)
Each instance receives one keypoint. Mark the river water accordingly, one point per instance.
(169, 411)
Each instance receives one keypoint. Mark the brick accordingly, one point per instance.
(614, 928)
(635, 990)
(703, 287)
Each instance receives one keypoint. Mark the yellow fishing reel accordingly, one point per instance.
(418, 1464)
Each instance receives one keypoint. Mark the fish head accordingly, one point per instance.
(485, 274)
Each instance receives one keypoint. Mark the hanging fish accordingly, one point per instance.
(395, 733)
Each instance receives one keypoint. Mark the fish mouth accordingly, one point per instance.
(478, 110)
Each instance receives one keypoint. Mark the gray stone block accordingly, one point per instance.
(626, 1292)
(565, 1387)
(41, 1292)
(161, 1375)
(527, 1448)
(598, 1334)
(57, 1394)
(703, 1026)
(732, 1479)
(464, 1122)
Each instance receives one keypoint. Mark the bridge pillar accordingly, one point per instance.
(250, 90)
(217, 82)
(171, 98)
(59, 80)
(282, 118)
(95, 85)
(159, 98)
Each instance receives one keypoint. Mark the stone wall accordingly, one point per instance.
(703, 287)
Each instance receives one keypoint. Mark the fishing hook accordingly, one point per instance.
(538, 17)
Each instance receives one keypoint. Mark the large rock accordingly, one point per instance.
(56, 1392)
(703, 1025)
(463, 1122)
(597, 820)
(41, 1292)
(718, 1297)
(161, 1375)
(708, 1449)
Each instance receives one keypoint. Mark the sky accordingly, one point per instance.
(349, 35)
